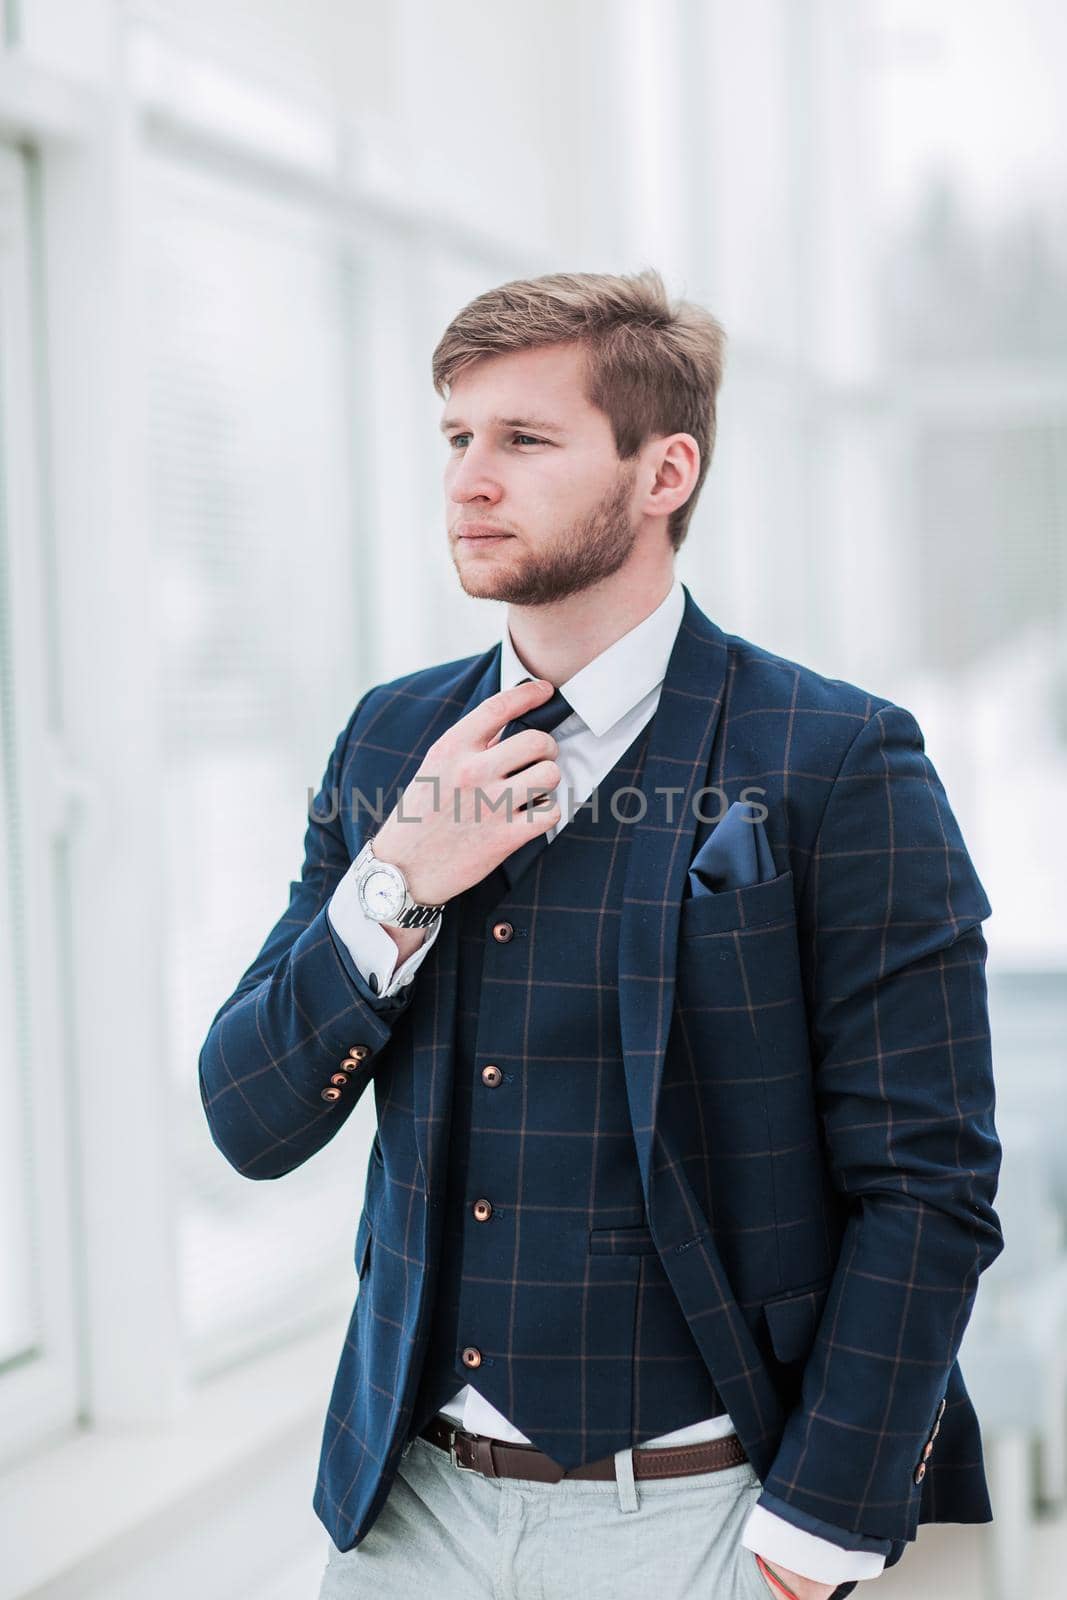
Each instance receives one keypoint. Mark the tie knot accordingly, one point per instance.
(545, 718)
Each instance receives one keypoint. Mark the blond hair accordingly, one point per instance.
(653, 367)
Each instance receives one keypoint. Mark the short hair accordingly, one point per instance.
(652, 366)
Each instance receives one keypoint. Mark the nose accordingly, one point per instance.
(469, 479)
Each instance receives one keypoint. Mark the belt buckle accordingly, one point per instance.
(452, 1451)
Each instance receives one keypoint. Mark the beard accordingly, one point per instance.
(590, 550)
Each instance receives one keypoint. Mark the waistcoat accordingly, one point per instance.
(550, 1297)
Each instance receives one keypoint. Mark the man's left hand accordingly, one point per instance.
(803, 1588)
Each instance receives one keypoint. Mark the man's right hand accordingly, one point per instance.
(458, 827)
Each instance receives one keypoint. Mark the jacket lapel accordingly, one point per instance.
(661, 846)
(677, 758)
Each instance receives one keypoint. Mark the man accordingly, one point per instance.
(663, 955)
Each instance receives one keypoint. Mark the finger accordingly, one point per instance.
(543, 777)
(537, 817)
(519, 749)
(487, 719)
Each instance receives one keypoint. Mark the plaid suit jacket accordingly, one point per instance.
(844, 997)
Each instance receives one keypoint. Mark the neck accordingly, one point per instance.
(558, 640)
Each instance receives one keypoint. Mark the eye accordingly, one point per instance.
(527, 437)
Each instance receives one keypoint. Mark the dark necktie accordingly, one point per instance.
(545, 717)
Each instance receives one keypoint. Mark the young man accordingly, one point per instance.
(668, 974)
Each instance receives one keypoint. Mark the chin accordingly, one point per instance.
(479, 588)
(481, 578)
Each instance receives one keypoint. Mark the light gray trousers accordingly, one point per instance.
(446, 1534)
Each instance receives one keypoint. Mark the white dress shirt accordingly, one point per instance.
(611, 697)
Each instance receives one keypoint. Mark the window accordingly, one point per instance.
(256, 548)
(37, 1314)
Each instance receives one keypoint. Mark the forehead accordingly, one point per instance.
(547, 383)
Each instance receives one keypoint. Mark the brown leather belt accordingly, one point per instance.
(479, 1452)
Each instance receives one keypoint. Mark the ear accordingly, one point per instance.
(677, 466)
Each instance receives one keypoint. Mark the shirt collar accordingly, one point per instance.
(614, 682)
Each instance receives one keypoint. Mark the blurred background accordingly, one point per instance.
(231, 232)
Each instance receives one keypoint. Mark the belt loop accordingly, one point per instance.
(624, 1478)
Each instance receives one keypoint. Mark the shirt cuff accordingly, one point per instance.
(371, 949)
(812, 1557)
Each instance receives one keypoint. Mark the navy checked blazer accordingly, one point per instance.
(820, 1037)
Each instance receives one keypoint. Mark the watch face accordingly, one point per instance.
(383, 894)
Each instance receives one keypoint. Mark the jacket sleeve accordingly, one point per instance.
(816, 1550)
(297, 1012)
(894, 962)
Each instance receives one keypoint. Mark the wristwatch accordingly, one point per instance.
(384, 894)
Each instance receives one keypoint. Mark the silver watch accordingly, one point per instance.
(384, 894)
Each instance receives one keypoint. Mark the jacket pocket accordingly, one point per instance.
(362, 1250)
(791, 1320)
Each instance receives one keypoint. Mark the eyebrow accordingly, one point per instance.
(535, 424)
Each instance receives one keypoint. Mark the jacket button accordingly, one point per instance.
(920, 1472)
(927, 1448)
(331, 1094)
(472, 1357)
(359, 1052)
(491, 1076)
(339, 1078)
(482, 1210)
(502, 932)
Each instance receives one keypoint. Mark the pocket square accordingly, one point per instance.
(733, 856)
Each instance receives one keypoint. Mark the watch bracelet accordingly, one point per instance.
(417, 916)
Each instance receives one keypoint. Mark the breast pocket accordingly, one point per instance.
(757, 905)
(738, 976)
(740, 1033)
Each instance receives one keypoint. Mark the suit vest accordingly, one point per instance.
(550, 1296)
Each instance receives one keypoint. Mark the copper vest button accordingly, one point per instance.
(339, 1078)
(502, 932)
(920, 1472)
(359, 1052)
(471, 1356)
(331, 1094)
(491, 1076)
(482, 1210)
